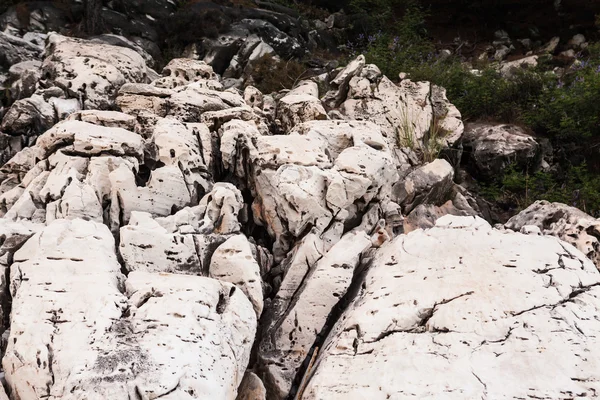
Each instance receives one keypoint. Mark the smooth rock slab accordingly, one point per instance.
(462, 311)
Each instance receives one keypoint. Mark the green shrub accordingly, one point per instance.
(575, 186)
(570, 108)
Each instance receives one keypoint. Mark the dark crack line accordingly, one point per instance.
(482, 383)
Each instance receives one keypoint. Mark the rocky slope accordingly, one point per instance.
(163, 236)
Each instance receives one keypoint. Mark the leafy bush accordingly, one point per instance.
(402, 46)
(575, 186)
(271, 75)
(570, 108)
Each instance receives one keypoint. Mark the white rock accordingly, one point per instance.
(65, 288)
(91, 341)
(233, 262)
(466, 312)
(201, 346)
(565, 222)
(165, 192)
(289, 338)
(490, 148)
(113, 119)
(92, 70)
(299, 106)
(429, 184)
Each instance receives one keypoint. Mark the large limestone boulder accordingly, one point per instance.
(75, 74)
(91, 72)
(101, 337)
(64, 277)
(465, 311)
(301, 181)
(567, 223)
(490, 149)
(291, 331)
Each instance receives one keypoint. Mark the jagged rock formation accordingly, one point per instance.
(567, 223)
(166, 237)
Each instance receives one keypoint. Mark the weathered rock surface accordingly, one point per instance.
(91, 72)
(14, 50)
(166, 335)
(466, 312)
(289, 337)
(414, 114)
(251, 388)
(300, 105)
(231, 206)
(429, 184)
(489, 149)
(567, 223)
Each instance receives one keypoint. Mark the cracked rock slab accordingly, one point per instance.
(465, 311)
(79, 330)
(289, 336)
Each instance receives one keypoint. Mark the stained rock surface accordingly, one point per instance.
(465, 311)
(170, 236)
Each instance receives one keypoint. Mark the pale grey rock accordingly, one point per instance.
(77, 201)
(215, 119)
(508, 69)
(429, 184)
(14, 50)
(466, 312)
(413, 114)
(551, 46)
(183, 243)
(69, 274)
(113, 119)
(147, 246)
(23, 78)
(565, 222)
(490, 148)
(182, 71)
(117, 40)
(253, 97)
(502, 52)
(64, 107)
(294, 109)
(165, 192)
(577, 41)
(297, 182)
(289, 337)
(204, 325)
(233, 262)
(99, 342)
(340, 84)
(30, 116)
(181, 146)
(340, 135)
(91, 72)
